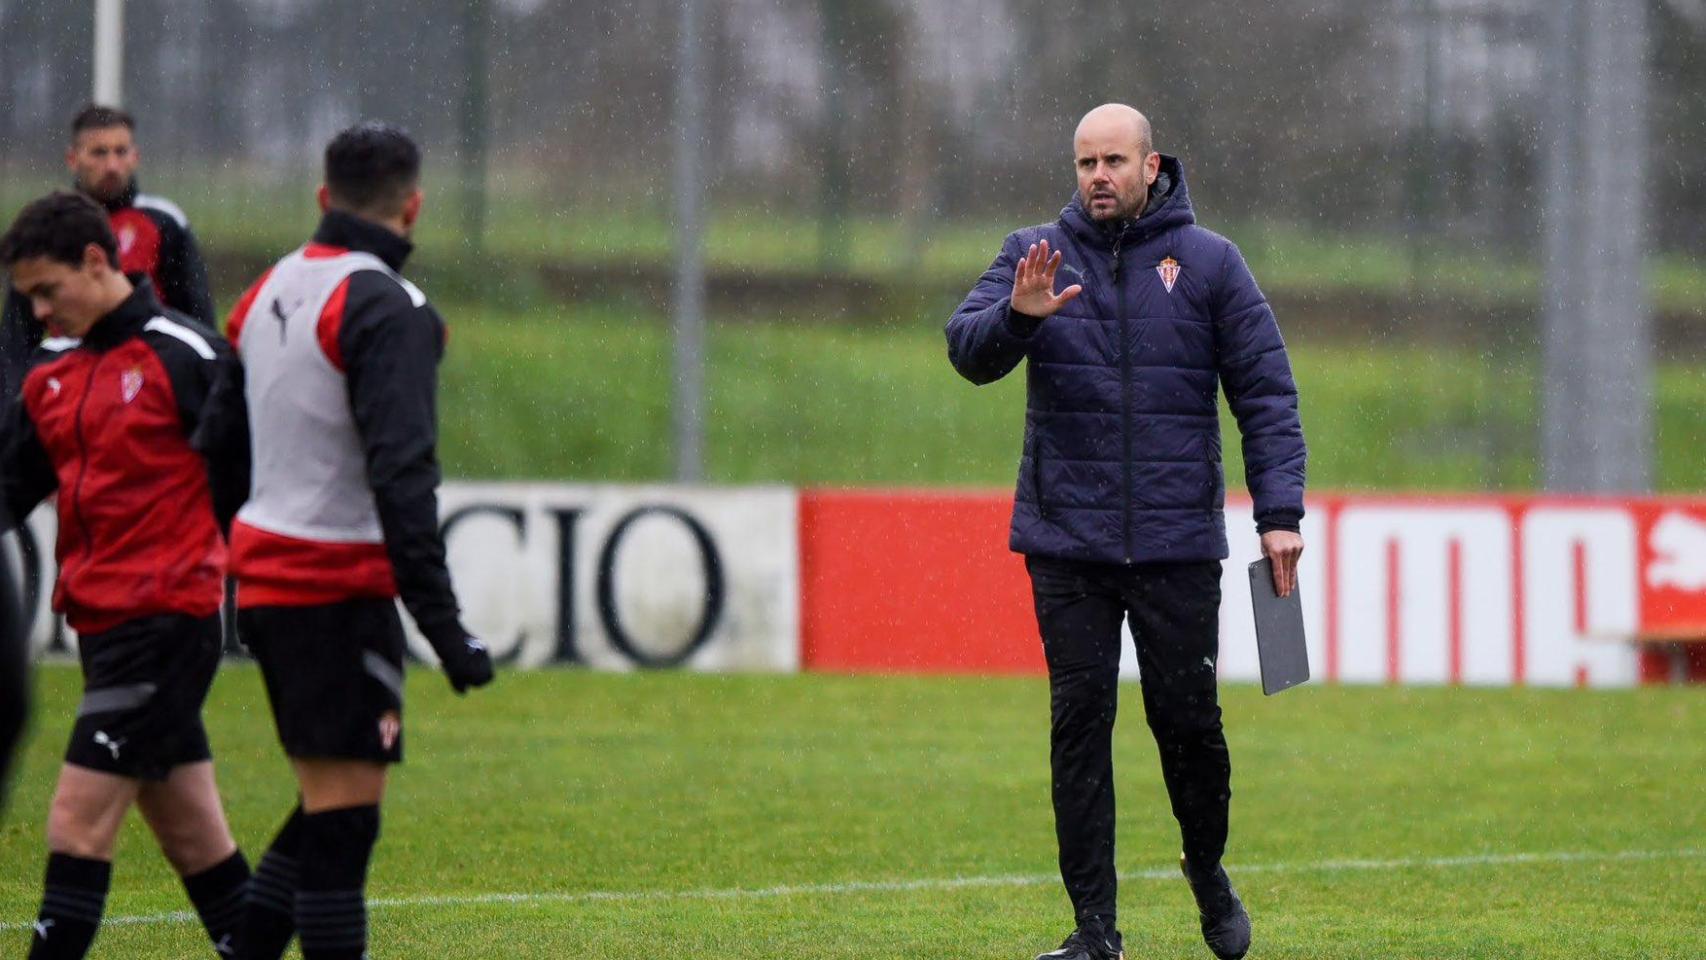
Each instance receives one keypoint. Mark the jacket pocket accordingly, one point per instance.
(1037, 483)
(1214, 487)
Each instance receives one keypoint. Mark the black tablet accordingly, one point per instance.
(1279, 631)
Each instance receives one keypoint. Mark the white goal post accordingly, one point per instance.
(109, 53)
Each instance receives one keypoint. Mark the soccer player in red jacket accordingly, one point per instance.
(113, 417)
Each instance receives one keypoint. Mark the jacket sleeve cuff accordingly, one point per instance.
(1022, 325)
(1279, 521)
(444, 635)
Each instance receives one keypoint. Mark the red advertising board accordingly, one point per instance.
(914, 582)
(1476, 590)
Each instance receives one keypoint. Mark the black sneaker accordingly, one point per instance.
(1088, 944)
(1225, 922)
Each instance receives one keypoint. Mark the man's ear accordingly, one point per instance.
(95, 258)
(1151, 167)
(325, 197)
(412, 207)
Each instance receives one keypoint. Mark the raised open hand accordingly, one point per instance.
(1033, 283)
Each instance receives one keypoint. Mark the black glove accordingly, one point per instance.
(464, 659)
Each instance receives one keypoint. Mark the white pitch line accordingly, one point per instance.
(954, 883)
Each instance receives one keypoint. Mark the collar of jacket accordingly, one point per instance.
(1169, 207)
(125, 197)
(125, 320)
(339, 229)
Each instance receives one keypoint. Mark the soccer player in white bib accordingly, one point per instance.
(340, 358)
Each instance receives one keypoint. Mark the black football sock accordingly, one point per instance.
(72, 899)
(331, 902)
(269, 909)
(217, 894)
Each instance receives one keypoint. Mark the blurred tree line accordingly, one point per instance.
(1419, 118)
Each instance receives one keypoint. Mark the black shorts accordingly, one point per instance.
(143, 686)
(334, 675)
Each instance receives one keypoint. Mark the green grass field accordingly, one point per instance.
(584, 394)
(536, 389)
(572, 814)
(531, 222)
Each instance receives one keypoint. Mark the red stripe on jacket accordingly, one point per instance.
(274, 570)
(331, 323)
(240, 313)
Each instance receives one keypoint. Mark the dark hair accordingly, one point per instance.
(59, 226)
(371, 168)
(96, 117)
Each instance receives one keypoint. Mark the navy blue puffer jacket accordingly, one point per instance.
(1121, 462)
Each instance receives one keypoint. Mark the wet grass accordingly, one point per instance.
(260, 215)
(770, 817)
(584, 394)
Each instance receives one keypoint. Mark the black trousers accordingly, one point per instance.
(14, 667)
(1174, 610)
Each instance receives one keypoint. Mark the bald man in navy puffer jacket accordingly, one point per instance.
(1119, 508)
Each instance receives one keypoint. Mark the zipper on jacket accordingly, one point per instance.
(1125, 402)
(83, 452)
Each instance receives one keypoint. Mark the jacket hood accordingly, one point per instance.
(1169, 208)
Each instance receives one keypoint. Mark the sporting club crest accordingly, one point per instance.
(130, 384)
(1169, 270)
(126, 239)
(390, 728)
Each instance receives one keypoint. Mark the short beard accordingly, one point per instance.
(1122, 212)
(101, 196)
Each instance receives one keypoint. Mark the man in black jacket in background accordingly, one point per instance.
(153, 234)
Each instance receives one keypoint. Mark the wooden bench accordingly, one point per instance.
(1683, 650)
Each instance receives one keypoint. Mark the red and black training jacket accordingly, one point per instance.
(387, 346)
(118, 424)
